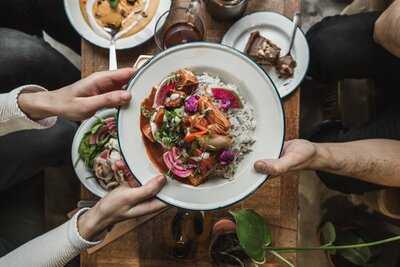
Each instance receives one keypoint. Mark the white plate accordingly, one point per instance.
(77, 20)
(80, 169)
(254, 85)
(277, 28)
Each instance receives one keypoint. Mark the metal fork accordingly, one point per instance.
(113, 65)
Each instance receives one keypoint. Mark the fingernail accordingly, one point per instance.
(260, 166)
(125, 96)
(161, 178)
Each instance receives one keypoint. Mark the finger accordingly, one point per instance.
(147, 207)
(132, 182)
(113, 80)
(104, 81)
(272, 167)
(107, 100)
(147, 191)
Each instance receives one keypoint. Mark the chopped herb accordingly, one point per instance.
(171, 131)
(114, 3)
(173, 78)
(146, 112)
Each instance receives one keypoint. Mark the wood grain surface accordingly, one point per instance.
(276, 200)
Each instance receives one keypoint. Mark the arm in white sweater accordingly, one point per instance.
(53, 249)
(63, 243)
(60, 245)
(12, 119)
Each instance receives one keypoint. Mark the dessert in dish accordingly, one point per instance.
(285, 66)
(266, 53)
(262, 50)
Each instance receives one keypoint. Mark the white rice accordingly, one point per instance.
(242, 120)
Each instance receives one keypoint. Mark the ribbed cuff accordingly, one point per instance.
(44, 123)
(73, 234)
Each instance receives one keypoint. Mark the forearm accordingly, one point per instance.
(375, 160)
(55, 248)
(387, 29)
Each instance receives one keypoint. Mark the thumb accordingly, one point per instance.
(108, 100)
(272, 167)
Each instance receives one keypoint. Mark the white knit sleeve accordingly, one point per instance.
(11, 116)
(53, 249)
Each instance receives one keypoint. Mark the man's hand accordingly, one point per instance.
(80, 100)
(372, 160)
(120, 204)
(387, 29)
(296, 155)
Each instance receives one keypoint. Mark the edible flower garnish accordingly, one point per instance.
(192, 104)
(226, 157)
(225, 104)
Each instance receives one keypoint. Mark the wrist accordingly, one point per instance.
(90, 224)
(322, 157)
(36, 105)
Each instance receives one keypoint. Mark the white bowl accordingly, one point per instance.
(254, 85)
(80, 169)
(73, 10)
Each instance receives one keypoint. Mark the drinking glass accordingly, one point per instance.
(181, 25)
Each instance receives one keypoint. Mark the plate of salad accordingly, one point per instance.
(96, 154)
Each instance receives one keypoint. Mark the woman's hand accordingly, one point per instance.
(296, 155)
(120, 204)
(80, 100)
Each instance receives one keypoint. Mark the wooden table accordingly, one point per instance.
(277, 200)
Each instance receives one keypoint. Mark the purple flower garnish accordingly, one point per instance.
(226, 157)
(225, 104)
(192, 104)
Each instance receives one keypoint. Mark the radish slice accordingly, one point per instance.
(173, 164)
(167, 160)
(227, 95)
(162, 94)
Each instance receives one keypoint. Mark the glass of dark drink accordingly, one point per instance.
(181, 25)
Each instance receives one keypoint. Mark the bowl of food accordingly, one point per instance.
(96, 155)
(201, 114)
(133, 19)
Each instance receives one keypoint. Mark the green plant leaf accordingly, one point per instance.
(253, 233)
(357, 256)
(328, 235)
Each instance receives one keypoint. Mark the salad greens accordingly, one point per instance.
(146, 112)
(88, 151)
(114, 3)
(171, 131)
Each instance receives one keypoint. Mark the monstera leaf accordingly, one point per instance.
(253, 234)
